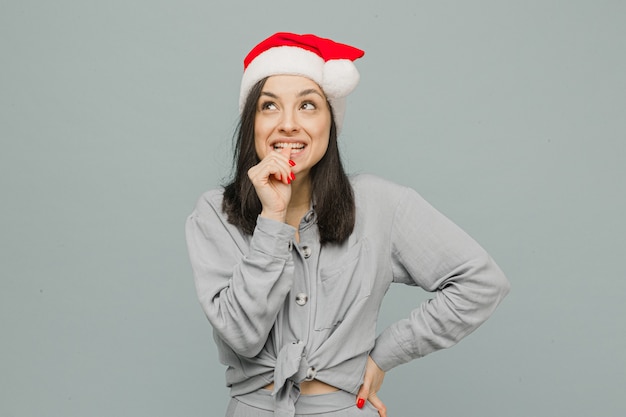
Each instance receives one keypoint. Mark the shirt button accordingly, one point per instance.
(301, 299)
(310, 374)
(306, 252)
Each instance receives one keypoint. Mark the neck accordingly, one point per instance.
(300, 202)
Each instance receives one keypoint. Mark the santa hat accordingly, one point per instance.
(324, 61)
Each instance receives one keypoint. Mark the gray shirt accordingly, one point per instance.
(284, 311)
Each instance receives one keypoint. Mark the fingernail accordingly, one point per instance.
(360, 403)
(293, 164)
(292, 176)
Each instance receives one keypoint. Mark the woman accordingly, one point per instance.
(292, 258)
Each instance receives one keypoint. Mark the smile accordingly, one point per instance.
(294, 146)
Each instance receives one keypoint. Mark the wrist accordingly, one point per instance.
(276, 216)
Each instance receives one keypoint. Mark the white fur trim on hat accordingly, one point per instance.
(283, 60)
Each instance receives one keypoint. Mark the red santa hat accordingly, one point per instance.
(328, 63)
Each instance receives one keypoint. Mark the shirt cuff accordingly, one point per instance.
(273, 238)
(387, 352)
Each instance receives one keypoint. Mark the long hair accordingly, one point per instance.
(331, 190)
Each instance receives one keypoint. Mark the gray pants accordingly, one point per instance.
(336, 404)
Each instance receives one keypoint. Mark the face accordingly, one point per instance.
(292, 111)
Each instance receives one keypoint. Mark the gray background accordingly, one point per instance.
(116, 115)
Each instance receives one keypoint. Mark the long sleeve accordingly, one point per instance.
(429, 251)
(240, 285)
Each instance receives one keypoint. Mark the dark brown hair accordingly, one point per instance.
(331, 190)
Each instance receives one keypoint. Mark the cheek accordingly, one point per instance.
(324, 135)
(260, 140)
(320, 145)
(320, 128)
(259, 147)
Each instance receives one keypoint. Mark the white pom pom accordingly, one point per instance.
(340, 78)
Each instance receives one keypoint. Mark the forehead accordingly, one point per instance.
(291, 85)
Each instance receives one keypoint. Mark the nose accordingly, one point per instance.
(289, 122)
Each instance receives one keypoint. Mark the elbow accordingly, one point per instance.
(487, 284)
(242, 343)
(505, 287)
(250, 351)
(240, 335)
(501, 284)
(244, 336)
(495, 286)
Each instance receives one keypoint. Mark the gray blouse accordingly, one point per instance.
(284, 311)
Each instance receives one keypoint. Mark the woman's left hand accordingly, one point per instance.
(372, 381)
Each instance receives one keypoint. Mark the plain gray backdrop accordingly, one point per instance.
(508, 116)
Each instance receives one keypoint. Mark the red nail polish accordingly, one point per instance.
(292, 176)
(293, 164)
(360, 403)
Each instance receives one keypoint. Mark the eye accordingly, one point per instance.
(307, 105)
(268, 105)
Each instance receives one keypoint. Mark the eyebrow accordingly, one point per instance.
(267, 93)
(300, 94)
(309, 91)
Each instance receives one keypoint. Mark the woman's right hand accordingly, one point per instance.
(272, 181)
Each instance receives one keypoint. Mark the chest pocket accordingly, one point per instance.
(343, 287)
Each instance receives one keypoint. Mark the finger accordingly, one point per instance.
(286, 152)
(362, 395)
(378, 404)
(271, 167)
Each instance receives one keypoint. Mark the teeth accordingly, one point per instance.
(282, 145)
